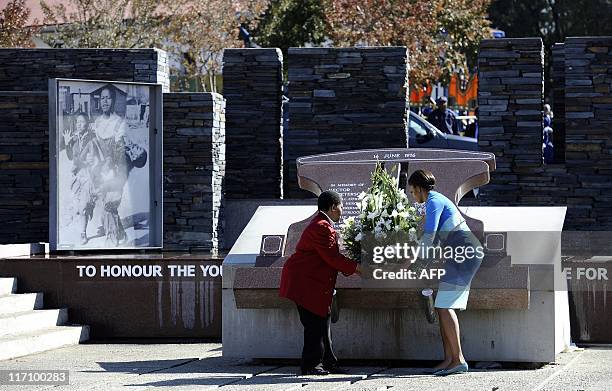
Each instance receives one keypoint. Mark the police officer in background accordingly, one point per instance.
(443, 118)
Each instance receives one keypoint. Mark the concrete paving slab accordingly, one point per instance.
(91, 354)
(132, 367)
(590, 370)
(206, 373)
(108, 366)
(287, 377)
(486, 380)
(279, 378)
(355, 375)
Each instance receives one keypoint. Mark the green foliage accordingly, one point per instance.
(553, 21)
(291, 23)
(194, 31)
(102, 23)
(442, 35)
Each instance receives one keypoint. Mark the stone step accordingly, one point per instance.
(12, 346)
(8, 285)
(14, 303)
(23, 249)
(24, 322)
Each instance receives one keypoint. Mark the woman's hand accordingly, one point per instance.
(357, 271)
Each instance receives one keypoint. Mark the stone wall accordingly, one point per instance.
(583, 181)
(510, 99)
(194, 170)
(24, 167)
(24, 134)
(511, 88)
(342, 99)
(252, 86)
(588, 126)
(30, 69)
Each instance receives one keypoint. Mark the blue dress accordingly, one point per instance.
(462, 251)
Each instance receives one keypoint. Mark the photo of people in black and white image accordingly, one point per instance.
(103, 175)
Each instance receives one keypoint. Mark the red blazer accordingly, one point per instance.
(309, 275)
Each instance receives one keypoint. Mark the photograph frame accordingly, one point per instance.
(153, 127)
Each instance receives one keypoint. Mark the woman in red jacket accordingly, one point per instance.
(309, 278)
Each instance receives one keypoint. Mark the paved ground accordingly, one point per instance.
(201, 367)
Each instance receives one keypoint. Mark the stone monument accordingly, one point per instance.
(517, 310)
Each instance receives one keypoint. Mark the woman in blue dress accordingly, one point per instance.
(446, 230)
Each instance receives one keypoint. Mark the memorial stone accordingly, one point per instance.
(392, 319)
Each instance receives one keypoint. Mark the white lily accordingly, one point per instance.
(379, 201)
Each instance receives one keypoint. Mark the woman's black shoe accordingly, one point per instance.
(315, 372)
(336, 370)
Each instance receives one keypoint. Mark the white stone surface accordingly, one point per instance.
(12, 346)
(533, 335)
(534, 233)
(267, 220)
(24, 249)
(13, 303)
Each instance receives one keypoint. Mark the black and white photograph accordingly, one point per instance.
(103, 165)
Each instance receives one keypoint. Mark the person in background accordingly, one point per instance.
(308, 279)
(472, 129)
(110, 129)
(443, 118)
(548, 151)
(548, 116)
(428, 108)
(81, 150)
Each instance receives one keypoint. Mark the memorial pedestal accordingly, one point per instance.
(518, 322)
(518, 306)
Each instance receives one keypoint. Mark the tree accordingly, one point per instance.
(464, 24)
(553, 21)
(291, 23)
(103, 23)
(196, 31)
(13, 25)
(199, 30)
(442, 35)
